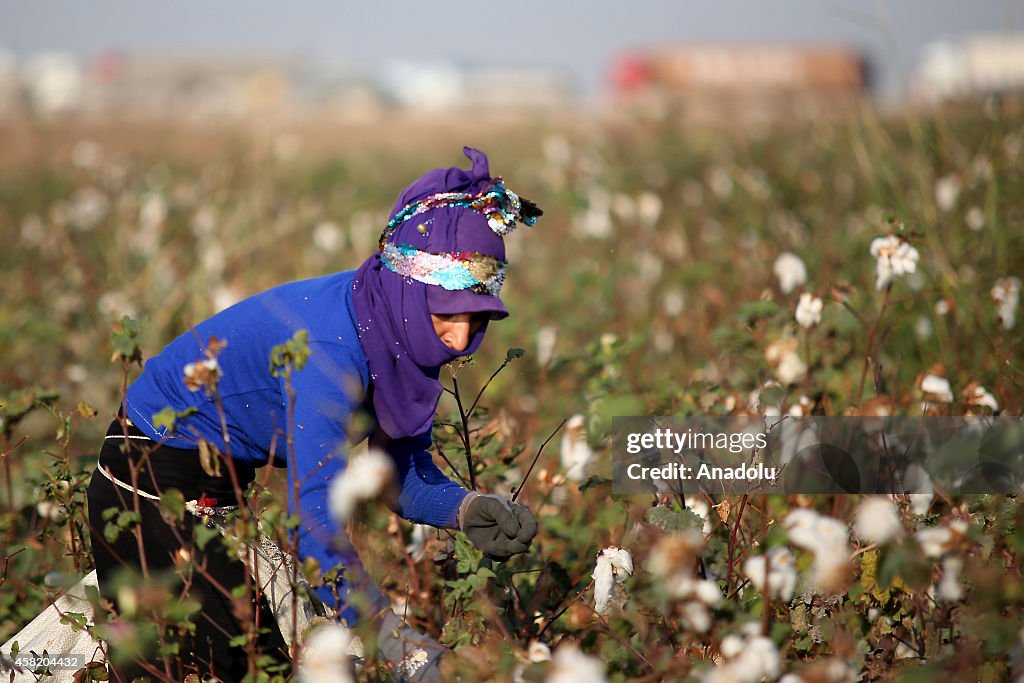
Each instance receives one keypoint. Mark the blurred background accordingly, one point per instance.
(324, 62)
(166, 161)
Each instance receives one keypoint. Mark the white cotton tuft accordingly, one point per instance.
(747, 659)
(827, 538)
(325, 656)
(937, 388)
(417, 548)
(790, 271)
(547, 336)
(569, 665)
(878, 521)
(1006, 293)
(893, 258)
(949, 587)
(933, 540)
(365, 477)
(613, 566)
(781, 571)
(575, 450)
(538, 652)
(808, 310)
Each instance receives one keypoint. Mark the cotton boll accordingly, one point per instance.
(327, 236)
(325, 656)
(365, 477)
(949, 587)
(947, 190)
(893, 258)
(731, 646)
(575, 450)
(781, 573)
(708, 592)
(936, 388)
(569, 665)
(613, 566)
(808, 310)
(790, 271)
(417, 548)
(828, 539)
(878, 521)
(975, 218)
(918, 484)
(933, 540)
(759, 659)
(1006, 293)
(546, 338)
(978, 396)
(538, 652)
(696, 616)
(699, 506)
(789, 368)
(817, 533)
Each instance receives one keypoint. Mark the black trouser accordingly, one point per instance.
(214, 573)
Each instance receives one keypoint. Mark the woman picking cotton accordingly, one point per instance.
(377, 338)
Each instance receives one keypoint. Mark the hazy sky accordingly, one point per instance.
(579, 36)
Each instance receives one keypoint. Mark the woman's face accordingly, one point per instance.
(456, 329)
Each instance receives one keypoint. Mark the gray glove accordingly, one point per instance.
(415, 656)
(499, 528)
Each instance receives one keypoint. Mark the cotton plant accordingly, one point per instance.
(894, 257)
(417, 547)
(775, 570)
(936, 389)
(790, 271)
(782, 355)
(948, 588)
(808, 310)
(746, 658)
(547, 336)
(976, 396)
(326, 656)
(570, 665)
(614, 565)
(878, 521)
(827, 539)
(576, 453)
(1006, 294)
(673, 562)
(365, 478)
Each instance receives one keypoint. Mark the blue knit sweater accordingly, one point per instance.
(328, 391)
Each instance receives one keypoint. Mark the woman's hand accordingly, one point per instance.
(497, 527)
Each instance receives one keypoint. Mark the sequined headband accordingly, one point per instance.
(471, 270)
(501, 206)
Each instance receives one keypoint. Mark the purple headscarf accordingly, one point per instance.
(393, 312)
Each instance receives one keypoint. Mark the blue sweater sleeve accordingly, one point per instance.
(426, 496)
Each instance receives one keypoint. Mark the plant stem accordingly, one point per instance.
(452, 466)
(535, 458)
(562, 611)
(464, 433)
(859, 396)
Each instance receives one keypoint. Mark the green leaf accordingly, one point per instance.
(291, 355)
(125, 339)
(173, 502)
(204, 535)
(514, 353)
(752, 310)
